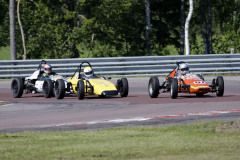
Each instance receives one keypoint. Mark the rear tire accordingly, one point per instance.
(59, 89)
(17, 86)
(153, 87)
(219, 86)
(80, 90)
(174, 88)
(48, 88)
(123, 87)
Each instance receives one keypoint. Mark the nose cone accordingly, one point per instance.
(198, 86)
(103, 87)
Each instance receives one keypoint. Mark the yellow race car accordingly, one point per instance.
(87, 83)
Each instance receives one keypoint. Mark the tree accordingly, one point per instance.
(187, 27)
(209, 28)
(182, 27)
(51, 30)
(165, 27)
(204, 27)
(120, 28)
(148, 27)
(12, 30)
(22, 31)
(104, 28)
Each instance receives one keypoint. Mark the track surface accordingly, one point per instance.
(33, 112)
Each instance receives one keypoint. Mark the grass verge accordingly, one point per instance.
(209, 140)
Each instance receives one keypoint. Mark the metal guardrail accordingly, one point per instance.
(128, 66)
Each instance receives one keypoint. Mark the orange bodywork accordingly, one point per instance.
(196, 85)
(191, 83)
(172, 74)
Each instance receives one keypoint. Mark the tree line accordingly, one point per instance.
(109, 28)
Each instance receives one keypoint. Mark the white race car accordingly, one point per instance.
(36, 83)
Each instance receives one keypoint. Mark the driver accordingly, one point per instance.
(183, 70)
(88, 72)
(48, 73)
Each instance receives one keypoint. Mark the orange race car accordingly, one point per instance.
(180, 80)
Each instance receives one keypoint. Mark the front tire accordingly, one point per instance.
(48, 88)
(153, 87)
(123, 87)
(80, 90)
(17, 86)
(59, 89)
(174, 88)
(219, 86)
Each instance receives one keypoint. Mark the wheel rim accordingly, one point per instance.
(150, 88)
(171, 91)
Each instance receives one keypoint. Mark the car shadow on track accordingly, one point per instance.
(194, 96)
(71, 96)
(92, 97)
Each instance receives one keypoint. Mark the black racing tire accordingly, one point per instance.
(80, 90)
(174, 88)
(199, 94)
(153, 87)
(219, 86)
(102, 96)
(59, 89)
(17, 87)
(124, 87)
(48, 88)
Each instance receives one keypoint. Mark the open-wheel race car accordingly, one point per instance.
(87, 83)
(180, 80)
(43, 80)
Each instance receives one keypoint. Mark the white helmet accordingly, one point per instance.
(184, 68)
(88, 71)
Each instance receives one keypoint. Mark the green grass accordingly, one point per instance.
(201, 141)
(5, 53)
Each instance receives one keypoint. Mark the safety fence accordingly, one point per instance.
(128, 66)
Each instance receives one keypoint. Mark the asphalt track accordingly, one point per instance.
(33, 112)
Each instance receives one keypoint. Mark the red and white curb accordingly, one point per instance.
(147, 118)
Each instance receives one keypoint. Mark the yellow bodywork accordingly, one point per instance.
(99, 85)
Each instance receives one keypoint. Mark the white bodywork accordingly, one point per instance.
(39, 86)
(39, 83)
(34, 75)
